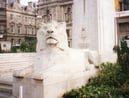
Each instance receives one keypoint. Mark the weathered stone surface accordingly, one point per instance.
(57, 67)
(94, 27)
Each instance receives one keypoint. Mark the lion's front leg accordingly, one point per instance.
(38, 75)
(23, 72)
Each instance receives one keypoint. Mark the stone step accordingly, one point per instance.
(5, 89)
(5, 95)
(6, 67)
(14, 61)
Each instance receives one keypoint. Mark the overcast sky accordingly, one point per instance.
(24, 2)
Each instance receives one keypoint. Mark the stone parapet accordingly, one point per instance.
(15, 61)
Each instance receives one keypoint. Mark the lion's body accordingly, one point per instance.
(58, 67)
(54, 55)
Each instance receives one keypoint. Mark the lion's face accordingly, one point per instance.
(53, 33)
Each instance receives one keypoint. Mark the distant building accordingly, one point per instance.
(59, 10)
(122, 19)
(17, 22)
(3, 20)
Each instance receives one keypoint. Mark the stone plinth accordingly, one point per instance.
(31, 88)
(52, 86)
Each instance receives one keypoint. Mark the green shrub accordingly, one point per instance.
(123, 56)
(28, 46)
(103, 86)
(13, 50)
(108, 75)
(112, 80)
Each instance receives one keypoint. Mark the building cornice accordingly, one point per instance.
(54, 3)
(21, 12)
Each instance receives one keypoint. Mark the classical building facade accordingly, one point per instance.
(19, 22)
(122, 19)
(3, 19)
(59, 10)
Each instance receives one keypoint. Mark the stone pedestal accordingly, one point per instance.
(52, 86)
(31, 88)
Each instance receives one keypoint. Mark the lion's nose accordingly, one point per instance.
(50, 31)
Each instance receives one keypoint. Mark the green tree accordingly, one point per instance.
(29, 46)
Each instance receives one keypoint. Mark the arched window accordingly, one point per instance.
(49, 15)
(19, 41)
(12, 42)
(12, 28)
(19, 29)
(68, 15)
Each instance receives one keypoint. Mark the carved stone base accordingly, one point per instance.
(52, 86)
(30, 88)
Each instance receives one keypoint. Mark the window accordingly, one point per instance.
(29, 20)
(68, 33)
(19, 29)
(2, 27)
(47, 12)
(68, 15)
(124, 5)
(49, 16)
(12, 28)
(124, 27)
(32, 30)
(25, 30)
(121, 6)
(19, 41)
(69, 38)
(19, 18)
(29, 30)
(22, 18)
(26, 19)
(12, 42)
(11, 16)
(0, 5)
(45, 18)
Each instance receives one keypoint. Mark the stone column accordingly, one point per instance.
(106, 25)
(85, 24)
(97, 19)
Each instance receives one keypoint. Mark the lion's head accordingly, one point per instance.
(52, 34)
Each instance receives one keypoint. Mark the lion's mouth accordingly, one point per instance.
(51, 40)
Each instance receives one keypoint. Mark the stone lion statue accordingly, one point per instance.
(58, 67)
(54, 55)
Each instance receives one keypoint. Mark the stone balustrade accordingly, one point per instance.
(15, 61)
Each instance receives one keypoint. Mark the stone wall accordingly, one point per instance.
(15, 61)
